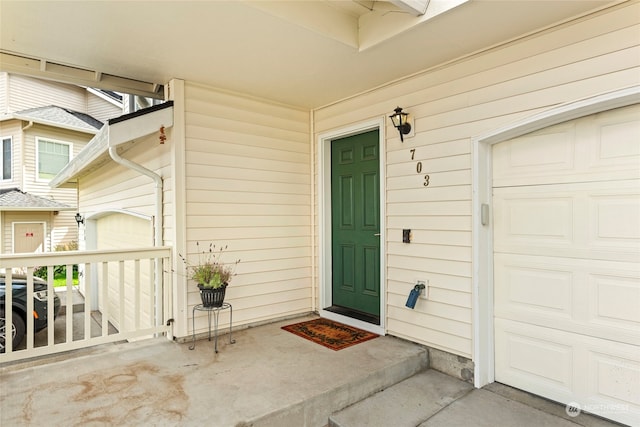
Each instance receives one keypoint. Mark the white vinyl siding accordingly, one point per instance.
(10, 129)
(449, 105)
(6, 164)
(112, 187)
(102, 109)
(64, 229)
(27, 92)
(4, 100)
(51, 157)
(10, 218)
(248, 186)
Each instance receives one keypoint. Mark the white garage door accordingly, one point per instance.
(130, 286)
(567, 263)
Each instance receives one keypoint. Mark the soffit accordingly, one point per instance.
(302, 53)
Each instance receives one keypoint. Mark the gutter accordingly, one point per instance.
(157, 179)
(115, 132)
(157, 224)
(123, 133)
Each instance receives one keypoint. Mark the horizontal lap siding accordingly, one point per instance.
(114, 187)
(64, 228)
(450, 105)
(101, 109)
(13, 129)
(27, 92)
(248, 187)
(9, 218)
(4, 86)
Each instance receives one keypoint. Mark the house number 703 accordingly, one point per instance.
(419, 168)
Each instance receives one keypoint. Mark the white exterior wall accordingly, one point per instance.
(13, 129)
(4, 102)
(64, 229)
(248, 186)
(102, 109)
(448, 106)
(26, 92)
(118, 205)
(10, 217)
(112, 187)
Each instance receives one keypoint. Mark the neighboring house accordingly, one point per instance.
(36, 143)
(518, 188)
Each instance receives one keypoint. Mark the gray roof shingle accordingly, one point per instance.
(14, 199)
(61, 116)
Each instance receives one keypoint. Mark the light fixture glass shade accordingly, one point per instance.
(400, 122)
(398, 118)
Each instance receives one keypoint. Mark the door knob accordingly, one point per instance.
(377, 234)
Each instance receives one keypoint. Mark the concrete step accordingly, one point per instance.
(405, 404)
(314, 410)
(434, 399)
(77, 304)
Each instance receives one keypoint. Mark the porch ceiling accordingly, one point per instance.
(303, 53)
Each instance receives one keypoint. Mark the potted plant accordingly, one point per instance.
(210, 274)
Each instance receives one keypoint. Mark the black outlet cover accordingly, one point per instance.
(406, 235)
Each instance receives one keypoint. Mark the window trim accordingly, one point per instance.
(56, 141)
(2, 140)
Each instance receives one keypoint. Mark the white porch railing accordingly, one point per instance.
(127, 296)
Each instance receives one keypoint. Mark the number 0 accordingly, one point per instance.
(419, 167)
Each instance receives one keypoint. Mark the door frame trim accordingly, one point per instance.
(324, 221)
(482, 243)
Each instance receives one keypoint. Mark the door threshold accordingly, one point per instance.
(355, 314)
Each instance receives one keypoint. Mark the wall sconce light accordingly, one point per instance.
(79, 219)
(400, 122)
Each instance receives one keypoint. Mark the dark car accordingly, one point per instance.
(19, 308)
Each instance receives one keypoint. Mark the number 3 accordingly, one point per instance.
(426, 181)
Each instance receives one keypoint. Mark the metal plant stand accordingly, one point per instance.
(216, 313)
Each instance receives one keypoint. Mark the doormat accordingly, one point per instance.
(330, 334)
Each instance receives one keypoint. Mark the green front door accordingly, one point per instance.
(355, 230)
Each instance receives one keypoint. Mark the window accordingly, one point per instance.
(52, 157)
(5, 158)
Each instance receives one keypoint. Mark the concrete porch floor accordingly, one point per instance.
(269, 377)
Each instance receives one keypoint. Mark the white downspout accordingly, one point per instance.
(157, 179)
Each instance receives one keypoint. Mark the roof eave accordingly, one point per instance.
(13, 116)
(116, 132)
(35, 209)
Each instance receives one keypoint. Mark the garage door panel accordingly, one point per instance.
(542, 153)
(533, 357)
(616, 378)
(615, 220)
(602, 147)
(598, 298)
(614, 301)
(130, 284)
(544, 221)
(586, 220)
(602, 376)
(613, 139)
